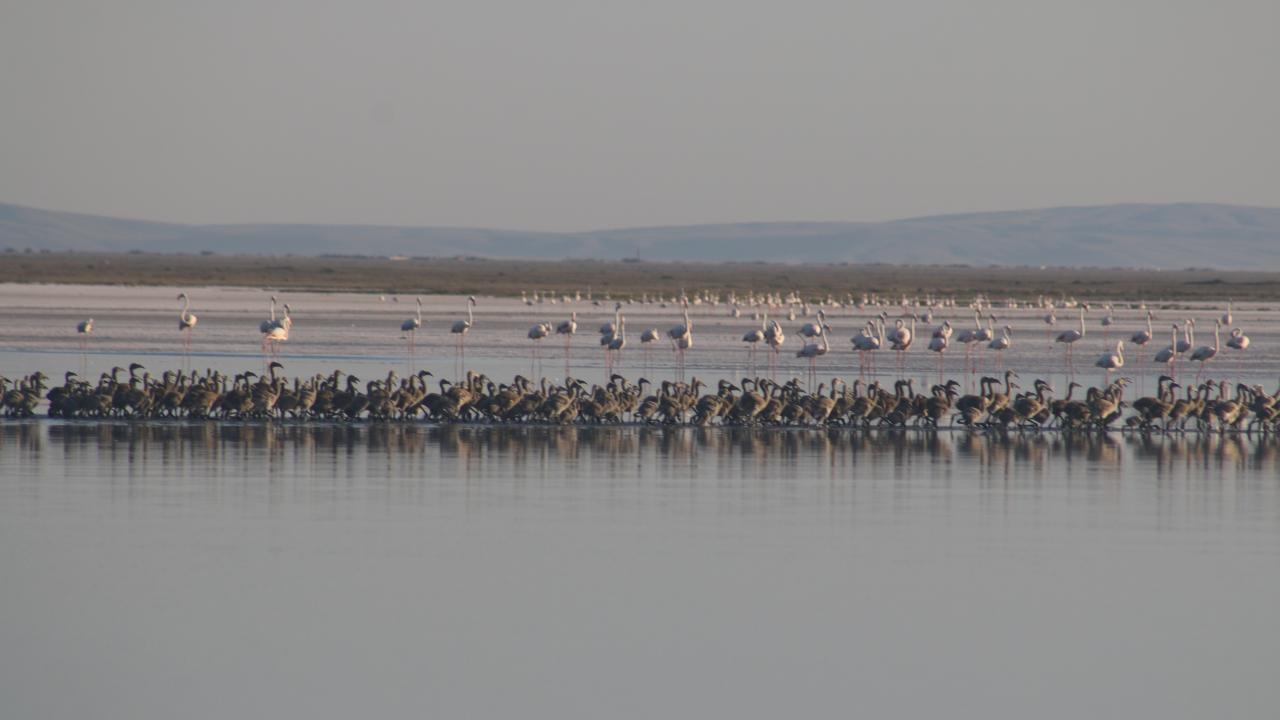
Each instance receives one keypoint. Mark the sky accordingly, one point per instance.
(567, 115)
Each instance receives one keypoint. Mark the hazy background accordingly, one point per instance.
(562, 115)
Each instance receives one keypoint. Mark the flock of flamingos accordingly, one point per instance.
(758, 399)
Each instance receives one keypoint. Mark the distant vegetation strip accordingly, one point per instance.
(624, 278)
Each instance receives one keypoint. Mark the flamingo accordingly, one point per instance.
(610, 328)
(814, 329)
(84, 329)
(682, 337)
(1227, 318)
(1170, 354)
(970, 338)
(753, 338)
(775, 338)
(1070, 338)
(868, 340)
(938, 344)
(1238, 340)
(411, 326)
(1142, 337)
(461, 328)
(647, 338)
(1188, 336)
(1111, 361)
(186, 322)
(568, 328)
(902, 337)
(619, 340)
(279, 332)
(813, 350)
(1204, 353)
(536, 334)
(266, 325)
(1107, 320)
(1002, 343)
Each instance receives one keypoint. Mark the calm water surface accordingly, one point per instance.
(208, 571)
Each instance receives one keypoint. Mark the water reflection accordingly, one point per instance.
(462, 451)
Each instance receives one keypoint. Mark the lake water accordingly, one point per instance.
(173, 569)
(206, 571)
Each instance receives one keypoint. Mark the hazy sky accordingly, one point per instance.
(556, 114)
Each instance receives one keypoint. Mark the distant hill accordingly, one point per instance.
(1158, 236)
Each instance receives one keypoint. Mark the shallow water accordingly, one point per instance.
(212, 570)
(201, 570)
(360, 334)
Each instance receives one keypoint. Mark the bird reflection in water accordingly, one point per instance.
(454, 450)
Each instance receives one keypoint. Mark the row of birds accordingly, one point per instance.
(754, 401)
(874, 335)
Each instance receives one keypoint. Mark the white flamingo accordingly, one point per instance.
(753, 338)
(1070, 338)
(84, 329)
(1111, 361)
(902, 336)
(411, 326)
(867, 341)
(1227, 318)
(682, 337)
(775, 338)
(813, 351)
(1142, 337)
(814, 329)
(1002, 343)
(537, 333)
(1204, 353)
(186, 322)
(938, 344)
(1168, 355)
(278, 332)
(568, 328)
(461, 328)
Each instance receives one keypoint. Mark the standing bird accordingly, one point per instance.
(412, 324)
(814, 329)
(84, 329)
(647, 338)
(1111, 361)
(186, 323)
(1170, 354)
(1204, 353)
(902, 337)
(774, 338)
(938, 344)
(618, 342)
(277, 333)
(461, 328)
(1142, 337)
(813, 350)
(1238, 340)
(1071, 337)
(536, 334)
(1107, 320)
(1227, 318)
(568, 328)
(265, 326)
(868, 340)
(681, 338)
(753, 338)
(1002, 343)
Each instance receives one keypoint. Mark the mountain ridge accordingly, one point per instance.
(1172, 235)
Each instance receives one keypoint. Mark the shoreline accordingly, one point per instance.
(507, 278)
